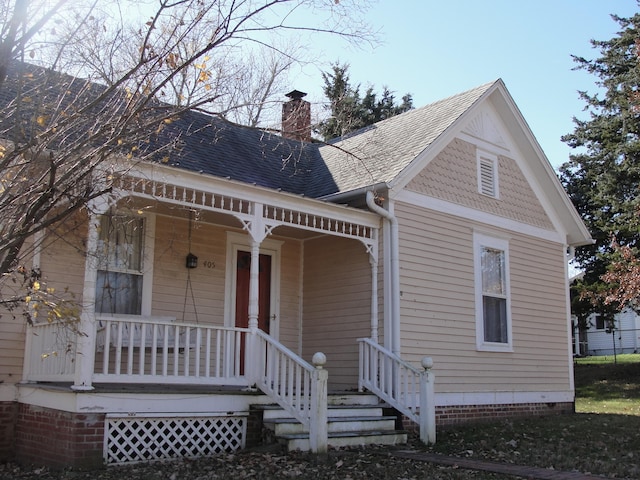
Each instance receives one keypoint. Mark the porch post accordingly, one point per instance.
(86, 338)
(318, 429)
(427, 414)
(258, 231)
(374, 297)
(254, 286)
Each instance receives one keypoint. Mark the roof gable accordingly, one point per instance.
(495, 124)
(391, 152)
(381, 152)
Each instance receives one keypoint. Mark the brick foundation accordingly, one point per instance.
(255, 435)
(462, 414)
(8, 419)
(58, 439)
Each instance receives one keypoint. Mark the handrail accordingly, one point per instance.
(297, 386)
(401, 385)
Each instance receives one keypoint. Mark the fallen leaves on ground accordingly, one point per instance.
(343, 464)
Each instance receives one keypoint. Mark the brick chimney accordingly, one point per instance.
(296, 117)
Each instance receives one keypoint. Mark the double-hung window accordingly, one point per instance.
(493, 312)
(120, 265)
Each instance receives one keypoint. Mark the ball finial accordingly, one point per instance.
(427, 363)
(319, 359)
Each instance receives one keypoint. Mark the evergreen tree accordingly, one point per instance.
(349, 111)
(603, 176)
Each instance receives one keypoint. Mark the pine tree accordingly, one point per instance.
(349, 111)
(603, 176)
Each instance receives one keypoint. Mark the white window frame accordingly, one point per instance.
(480, 241)
(148, 248)
(485, 158)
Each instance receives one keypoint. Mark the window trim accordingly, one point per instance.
(485, 158)
(481, 241)
(148, 248)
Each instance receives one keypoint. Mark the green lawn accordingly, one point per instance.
(605, 387)
(602, 438)
(622, 358)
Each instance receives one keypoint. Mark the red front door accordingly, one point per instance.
(243, 274)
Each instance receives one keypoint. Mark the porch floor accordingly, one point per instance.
(159, 388)
(150, 388)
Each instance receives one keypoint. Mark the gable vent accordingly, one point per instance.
(487, 175)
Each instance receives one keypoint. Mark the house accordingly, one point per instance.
(601, 338)
(249, 269)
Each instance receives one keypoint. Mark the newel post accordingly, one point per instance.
(318, 432)
(427, 403)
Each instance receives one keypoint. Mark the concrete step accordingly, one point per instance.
(300, 441)
(352, 398)
(283, 426)
(270, 412)
(353, 419)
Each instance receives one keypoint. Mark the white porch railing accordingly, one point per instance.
(160, 351)
(404, 387)
(50, 352)
(137, 350)
(297, 386)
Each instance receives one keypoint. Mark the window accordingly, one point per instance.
(493, 316)
(599, 321)
(120, 262)
(487, 174)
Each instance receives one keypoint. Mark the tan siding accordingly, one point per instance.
(191, 295)
(62, 267)
(438, 307)
(452, 176)
(337, 305)
(290, 280)
(208, 242)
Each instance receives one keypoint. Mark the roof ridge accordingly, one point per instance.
(483, 87)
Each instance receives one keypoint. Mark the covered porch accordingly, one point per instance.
(240, 287)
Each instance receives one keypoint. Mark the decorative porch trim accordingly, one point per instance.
(259, 210)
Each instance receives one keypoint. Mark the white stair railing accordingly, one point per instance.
(401, 385)
(297, 386)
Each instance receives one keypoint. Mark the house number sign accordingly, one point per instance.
(209, 263)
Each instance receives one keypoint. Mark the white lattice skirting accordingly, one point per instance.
(145, 439)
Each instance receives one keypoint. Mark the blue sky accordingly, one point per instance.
(436, 48)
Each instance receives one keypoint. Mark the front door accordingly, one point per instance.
(243, 274)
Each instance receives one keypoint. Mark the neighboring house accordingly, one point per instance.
(600, 338)
(442, 232)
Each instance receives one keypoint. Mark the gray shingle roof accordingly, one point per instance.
(216, 147)
(379, 153)
(370, 156)
(373, 155)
